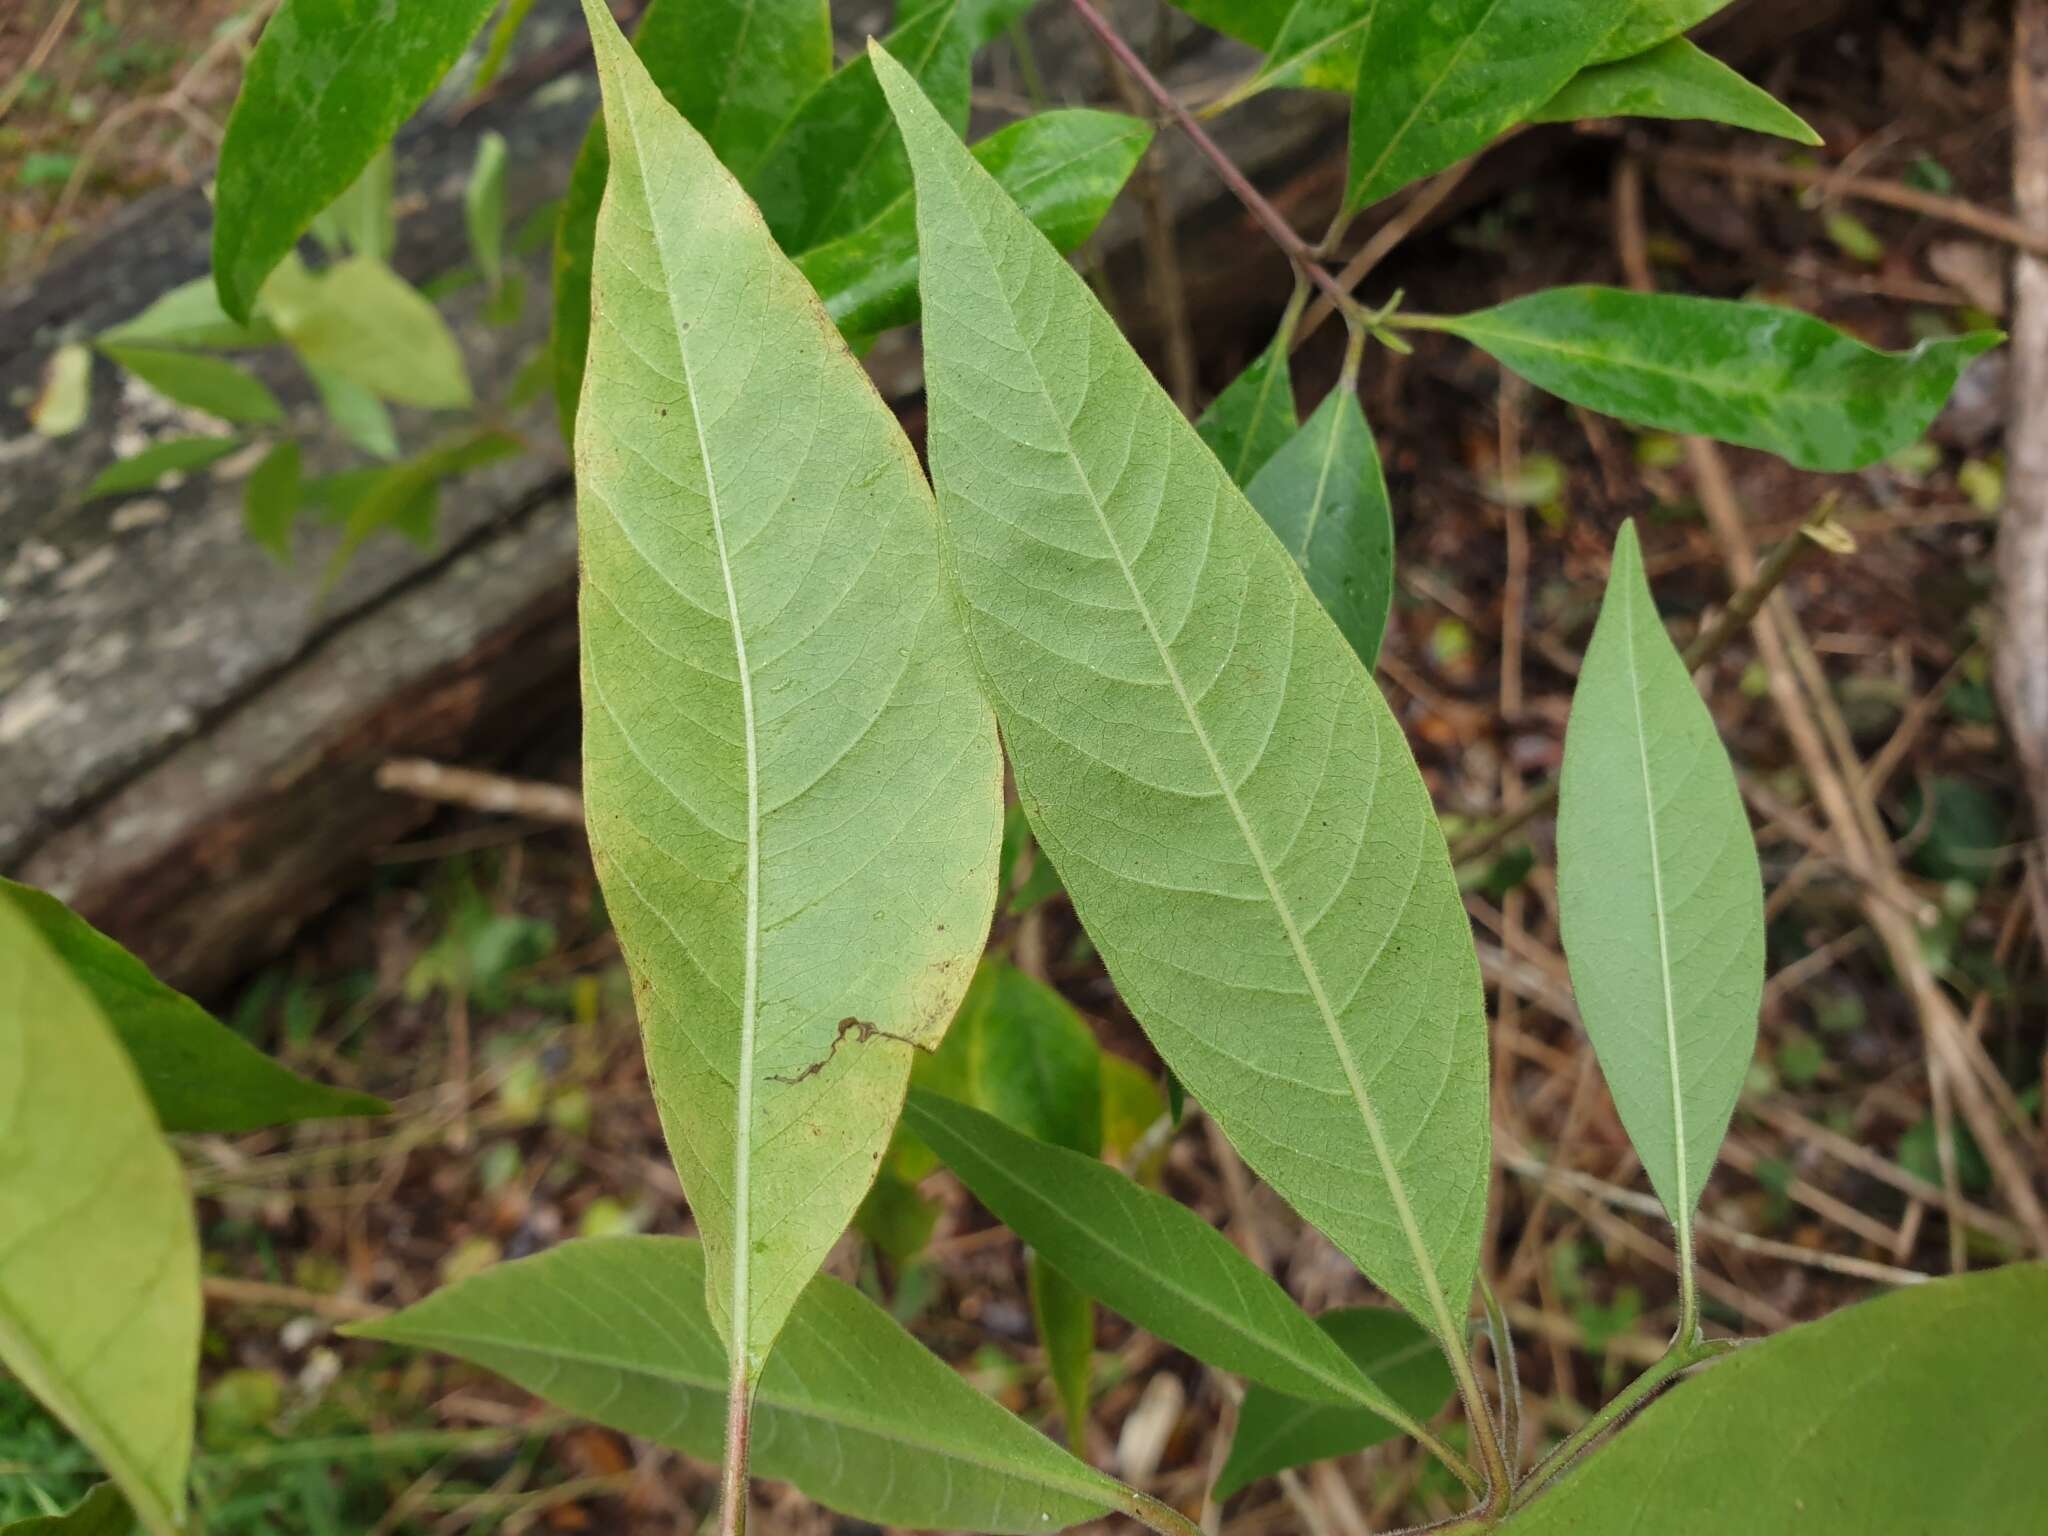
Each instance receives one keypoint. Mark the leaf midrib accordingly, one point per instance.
(1682, 1217)
(1400, 135)
(1167, 1281)
(884, 1429)
(1396, 1186)
(743, 1111)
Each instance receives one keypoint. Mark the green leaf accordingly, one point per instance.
(328, 85)
(270, 501)
(102, 1512)
(1063, 169)
(143, 471)
(1908, 1413)
(1254, 417)
(838, 159)
(364, 219)
(850, 1408)
(1131, 1105)
(1324, 495)
(1651, 22)
(1659, 894)
(356, 412)
(896, 1218)
(1441, 79)
(483, 208)
(793, 787)
(190, 316)
(1064, 1315)
(503, 36)
(692, 49)
(1025, 886)
(1752, 374)
(1675, 80)
(199, 1074)
(1276, 1432)
(99, 1278)
(406, 498)
(1201, 753)
(209, 384)
(1018, 1051)
(361, 321)
(1143, 1255)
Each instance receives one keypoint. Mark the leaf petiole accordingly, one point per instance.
(1681, 1357)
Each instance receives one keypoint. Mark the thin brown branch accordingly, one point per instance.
(1892, 194)
(426, 780)
(1269, 218)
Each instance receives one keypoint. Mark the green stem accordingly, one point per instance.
(1678, 1359)
(1508, 1369)
(1688, 1335)
(1479, 1418)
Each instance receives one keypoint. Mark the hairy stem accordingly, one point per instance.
(1681, 1357)
(1283, 234)
(1508, 1369)
(732, 1488)
(1500, 1486)
(1742, 609)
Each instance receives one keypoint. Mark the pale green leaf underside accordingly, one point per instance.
(1675, 81)
(1231, 804)
(99, 1265)
(792, 785)
(1325, 495)
(1142, 1254)
(1919, 1412)
(851, 1409)
(1659, 892)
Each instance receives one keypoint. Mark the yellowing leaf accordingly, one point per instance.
(99, 1266)
(793, 787)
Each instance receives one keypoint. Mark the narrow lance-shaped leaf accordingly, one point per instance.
(851, 1409)
(1254, 417)
(190, 316)
(1753, 374)
(1441, 79)
(792, 785)
(1144, 1255)
(1659, 893)
(210, 384)
(199, 1074)
(145, 470)
(1063, 169)
(1919, 1411)
(99, 1274)
(1233, 807)
(270, 501)
(1326, 497)
(328, 85)
(483, 208)
(1064, 1315)
(1676, 81)
(693, 50)
(1276, 1432)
